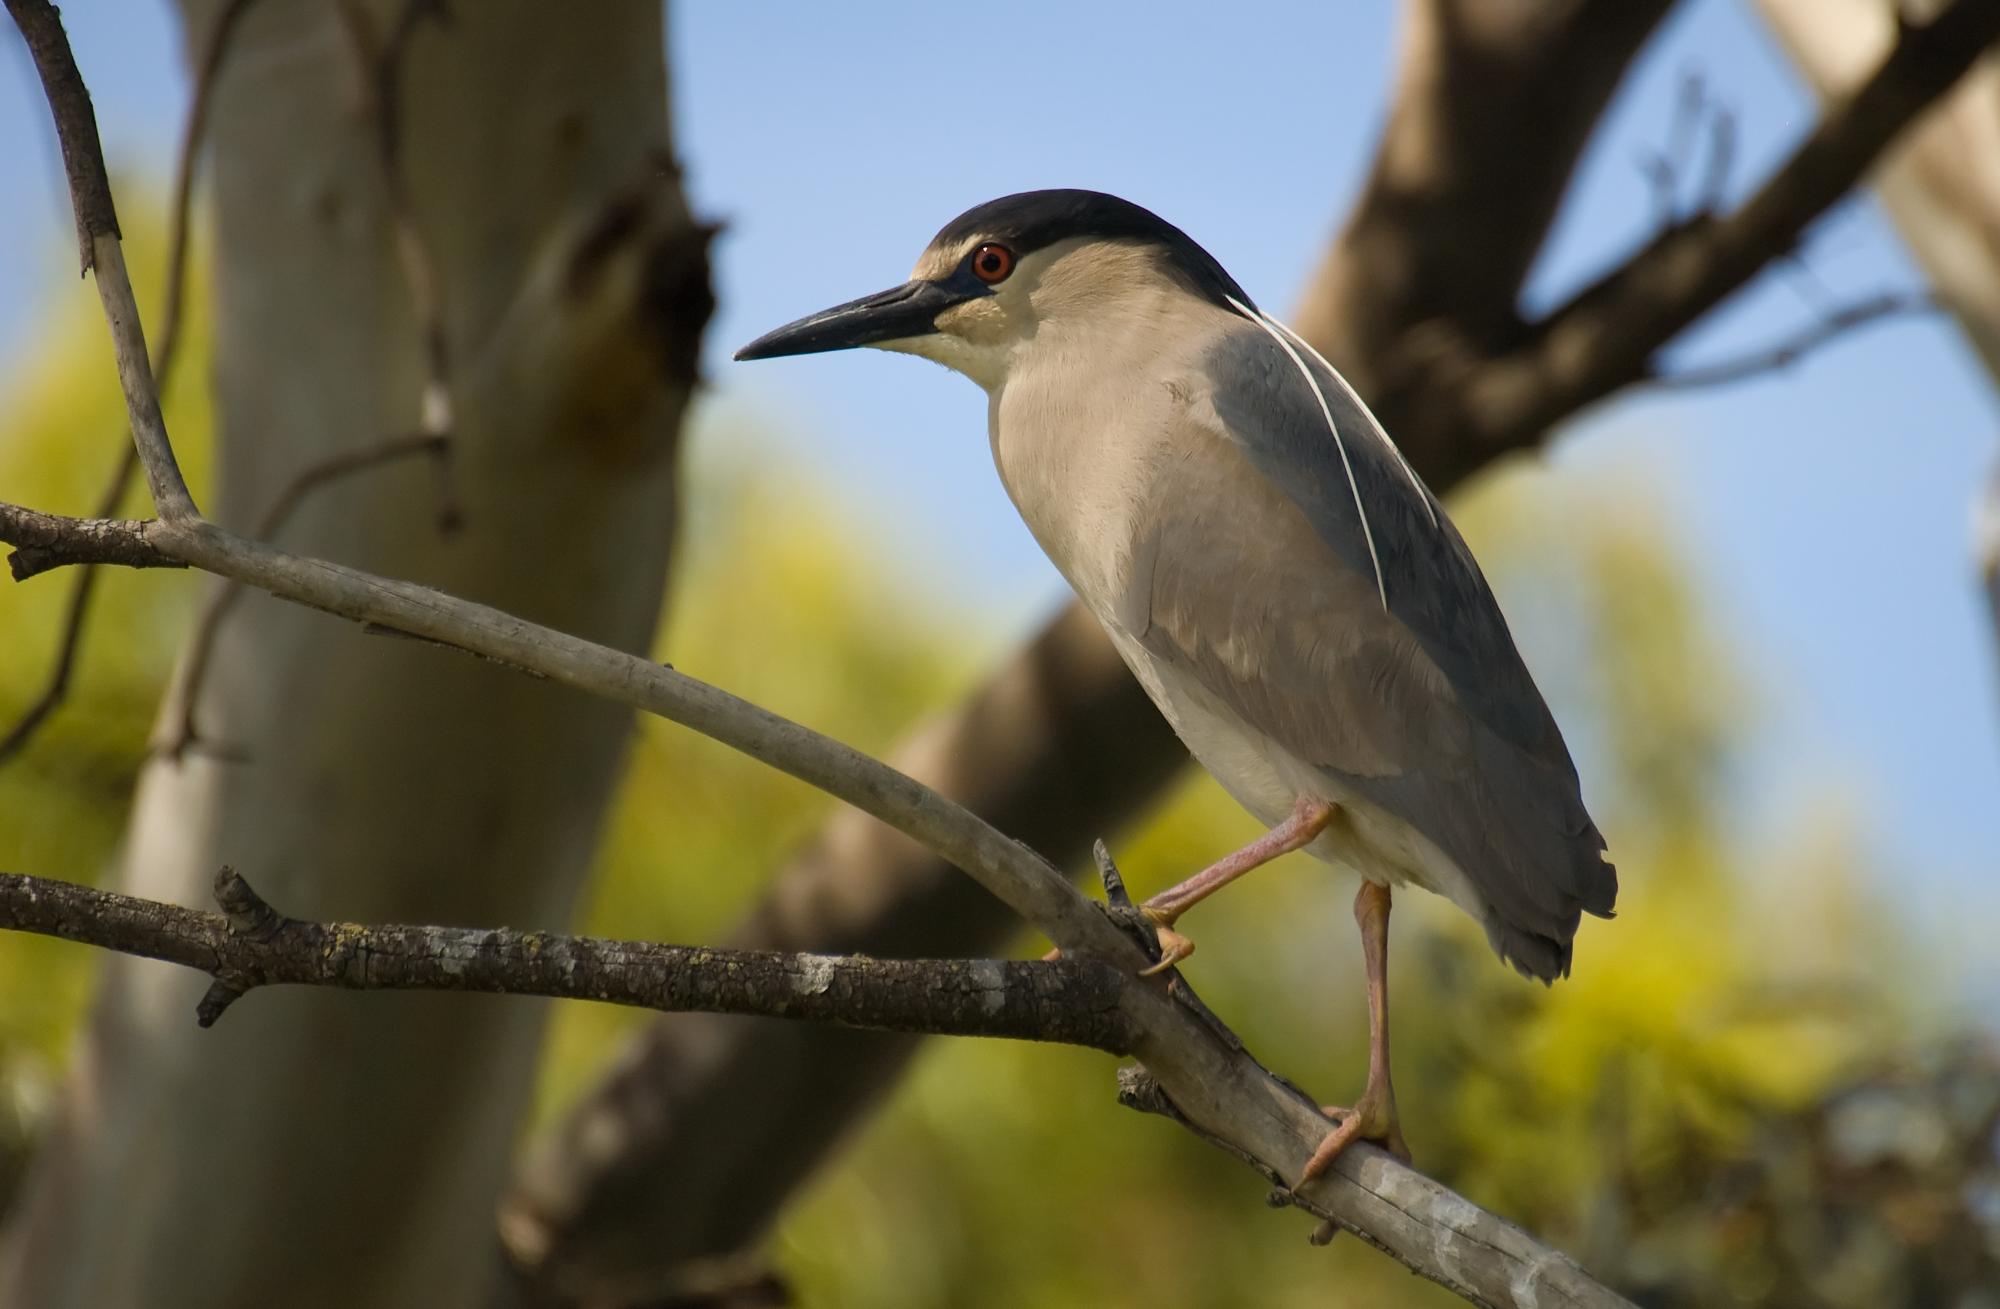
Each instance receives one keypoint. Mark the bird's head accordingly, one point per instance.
(988, 284)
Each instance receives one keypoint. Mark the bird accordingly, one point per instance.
(1279, 579)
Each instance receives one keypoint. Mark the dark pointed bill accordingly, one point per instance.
(904, 311)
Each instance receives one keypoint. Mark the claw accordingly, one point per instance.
(1373, 1118)
(1173, 946)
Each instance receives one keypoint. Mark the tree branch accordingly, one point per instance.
(1783, 354)
(1212, 1080)
(381, 68)
(250, 944)
(97, 239)
(1057, 746)
(76, 614)
(1209, 1078)
(1607, 335)
(45, 541)
(186, 692)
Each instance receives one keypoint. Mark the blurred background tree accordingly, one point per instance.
(1762, 1088)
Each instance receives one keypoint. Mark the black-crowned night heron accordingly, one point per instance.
(1286, 588)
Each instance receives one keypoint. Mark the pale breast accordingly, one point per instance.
(1085, 455)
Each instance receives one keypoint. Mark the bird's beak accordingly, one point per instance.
(896, 314)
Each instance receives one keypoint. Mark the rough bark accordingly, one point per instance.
(382, 779)
(249, 945)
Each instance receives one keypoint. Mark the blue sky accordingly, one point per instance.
(1827, 509)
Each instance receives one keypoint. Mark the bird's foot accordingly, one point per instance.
(1173, 946)
(1373, 1118)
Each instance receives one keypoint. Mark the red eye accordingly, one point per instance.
(991, 263)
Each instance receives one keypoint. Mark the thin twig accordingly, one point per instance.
(223, 595)
(1986, 549)
(1666, 167)
(83, 589)
(249, 944)
(381, 68)
(1607, 335)
(99, 248)
(1782, 354)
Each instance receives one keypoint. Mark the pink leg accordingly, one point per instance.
(1309, 818)
(1373, 1117)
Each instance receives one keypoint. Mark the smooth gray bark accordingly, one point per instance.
(320, 1149)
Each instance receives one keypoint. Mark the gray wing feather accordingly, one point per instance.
(1256, 575)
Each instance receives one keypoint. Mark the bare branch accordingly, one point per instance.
(1666, 168)
(381, 67)
(193, 132)
(44, 541)
(57, 686)
(1605, 337)
(222, 598)
(76, 613)
(1059, 744)
(76, 124)
(250, 944)
(1213, 1081)
(97, 237)
(1782, 354)
(1986, 548)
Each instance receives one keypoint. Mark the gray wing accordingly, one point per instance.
(1318, 589)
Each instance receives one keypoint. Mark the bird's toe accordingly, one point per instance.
(1372, 1118)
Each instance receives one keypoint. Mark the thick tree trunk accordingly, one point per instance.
(324, 1149)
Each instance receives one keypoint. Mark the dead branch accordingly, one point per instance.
(1213, 1082)
(249, 944)
(76, 614)
(1830, 326)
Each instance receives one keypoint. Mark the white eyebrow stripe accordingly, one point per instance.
(1326, 411)
(1416, 483)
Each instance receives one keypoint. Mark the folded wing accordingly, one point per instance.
(1304, 575)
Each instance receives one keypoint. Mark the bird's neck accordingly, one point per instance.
(1076, 431)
